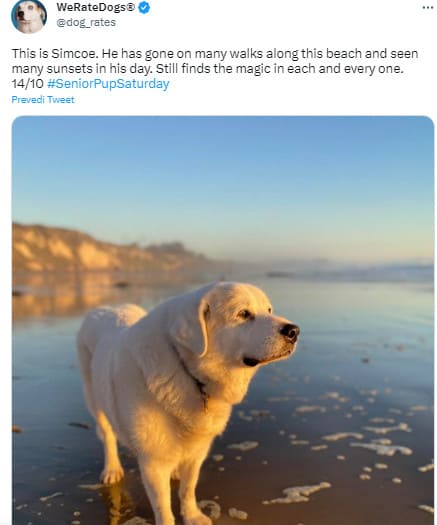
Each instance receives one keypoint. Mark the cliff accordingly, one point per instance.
(39, 248)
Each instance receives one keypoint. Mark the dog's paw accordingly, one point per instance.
(198, 519)
(112, 475)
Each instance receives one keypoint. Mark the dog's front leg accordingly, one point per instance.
(156, 478)
(189, 474)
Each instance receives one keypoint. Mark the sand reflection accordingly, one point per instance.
(52, 294)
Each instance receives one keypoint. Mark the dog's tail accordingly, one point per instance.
(86, 342)
(98, 323)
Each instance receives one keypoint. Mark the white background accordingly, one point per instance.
(374, 24)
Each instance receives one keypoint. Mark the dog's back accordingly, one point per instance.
(102, 321)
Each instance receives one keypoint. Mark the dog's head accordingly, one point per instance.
(29, 13)
(230, 328)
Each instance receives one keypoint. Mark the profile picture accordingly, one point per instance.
(29, 16)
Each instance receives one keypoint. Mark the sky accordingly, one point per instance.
(346, 189)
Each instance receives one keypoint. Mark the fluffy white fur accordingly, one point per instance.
(30, 16)
(164, 384)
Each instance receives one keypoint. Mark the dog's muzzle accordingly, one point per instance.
(291, 334)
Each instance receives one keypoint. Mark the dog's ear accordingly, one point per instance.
(42, 13)
(189, 326)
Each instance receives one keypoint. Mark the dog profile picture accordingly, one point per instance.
(29, 16)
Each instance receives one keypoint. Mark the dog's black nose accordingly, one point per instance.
(21, 14)
(290, 331)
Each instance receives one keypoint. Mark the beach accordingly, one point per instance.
(349, 416)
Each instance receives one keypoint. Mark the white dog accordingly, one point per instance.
(164, 384)
(30, 17)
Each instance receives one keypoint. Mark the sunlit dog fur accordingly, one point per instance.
(163, 384)
(30, 17)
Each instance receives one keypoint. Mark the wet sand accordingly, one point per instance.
(364, 368)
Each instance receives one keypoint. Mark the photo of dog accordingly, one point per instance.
(29, 16)
(164, 384)
(217, 318)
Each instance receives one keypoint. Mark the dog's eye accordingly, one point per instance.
(245, 314)
(269, 309)
(30, 7)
